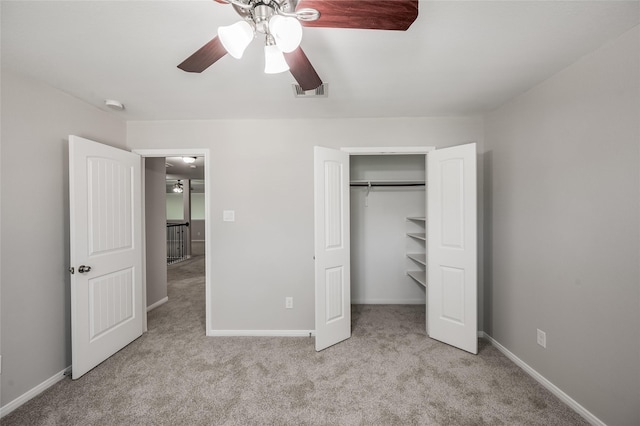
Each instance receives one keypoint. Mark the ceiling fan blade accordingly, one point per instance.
(373, 15)
(302, 70)
(204, 57)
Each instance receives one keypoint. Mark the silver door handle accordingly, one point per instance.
(82, 269)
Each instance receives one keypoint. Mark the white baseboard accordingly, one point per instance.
(387, 301)
(34, 392)
(158, 303)
(262, 333)
(586, 414)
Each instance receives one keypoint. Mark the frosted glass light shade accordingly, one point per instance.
(274, 61)
(286, 31)
(235, 38)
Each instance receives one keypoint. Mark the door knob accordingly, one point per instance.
(82, 269)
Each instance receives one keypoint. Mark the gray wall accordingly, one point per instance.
(562, 239)
(197, 230)
(35, 329)
(155, 232)
(263, 169)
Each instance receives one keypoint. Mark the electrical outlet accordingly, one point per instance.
(288, 302)
(542, 338)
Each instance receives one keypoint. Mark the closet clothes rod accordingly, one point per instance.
(373, 183)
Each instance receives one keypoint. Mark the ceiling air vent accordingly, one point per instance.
(321, 91)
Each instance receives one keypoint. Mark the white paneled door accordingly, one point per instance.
(452, 247)
(106, 257)
(332, 247)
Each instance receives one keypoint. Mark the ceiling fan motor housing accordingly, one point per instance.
(261, 13)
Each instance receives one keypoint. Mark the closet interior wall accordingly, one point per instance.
(379, 228)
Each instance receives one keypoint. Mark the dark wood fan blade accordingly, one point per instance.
(204, 57)
(373, 15)
(302, 70)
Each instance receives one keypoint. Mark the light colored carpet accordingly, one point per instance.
(388, 373)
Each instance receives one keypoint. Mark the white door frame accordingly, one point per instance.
(392, 150)
(183, 152)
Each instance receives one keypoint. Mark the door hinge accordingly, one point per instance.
(72, 270)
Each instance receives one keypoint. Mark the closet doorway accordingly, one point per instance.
(449, 236)
(387, 203)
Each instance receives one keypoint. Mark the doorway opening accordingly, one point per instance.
(387, 200)
(202, 243)
(387, 211)
(184, 194)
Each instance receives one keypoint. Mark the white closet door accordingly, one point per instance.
(332, 247)
(452, 246)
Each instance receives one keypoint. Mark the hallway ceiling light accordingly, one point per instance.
(189, 160)
(177, 187)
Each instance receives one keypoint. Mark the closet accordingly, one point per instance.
(387, 218)
(400, 222)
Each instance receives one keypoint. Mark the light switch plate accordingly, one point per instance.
(542, 338)
(229, 216)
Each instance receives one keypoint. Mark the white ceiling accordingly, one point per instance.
(176, 168)
(458, 58)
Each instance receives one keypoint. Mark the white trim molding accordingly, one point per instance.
(384, 150)
(158, 303)
(586, 414)
(262, 333)
(32, 393)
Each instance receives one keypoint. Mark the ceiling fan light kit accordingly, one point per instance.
(281, 22)
(274, 61)
(235, 38)
(286, 31)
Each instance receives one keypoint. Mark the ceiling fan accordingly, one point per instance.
(281, 21)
